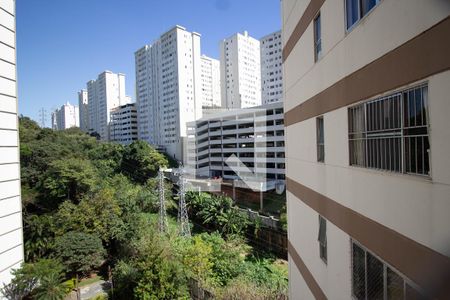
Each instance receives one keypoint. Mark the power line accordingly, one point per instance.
(42, 116)
(183, 218)
(162, 204)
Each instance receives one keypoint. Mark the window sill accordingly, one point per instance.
(421, 178)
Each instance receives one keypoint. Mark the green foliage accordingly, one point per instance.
(195, 255)
(51, 287)
(69, 178)
(226, 257)
(152, 270)
(81, 195)
(79, 252)
(141, 162)
(38, 236)
(218, 212)
(42, 280)
(97, 214)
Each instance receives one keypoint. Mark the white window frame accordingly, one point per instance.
(398, 133)
(406, 280)
(360, 16)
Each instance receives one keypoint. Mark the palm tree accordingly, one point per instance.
(51, 287)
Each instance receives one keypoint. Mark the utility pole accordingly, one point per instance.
(42, 116)
(163, 228)
(183, 218)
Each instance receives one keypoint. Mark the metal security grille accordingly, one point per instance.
(391, 133)
(374, 279)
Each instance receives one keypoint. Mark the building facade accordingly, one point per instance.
(11, 238)
(104, 94)
(168, 89)
(83, 110)
(123, 125)
(366, 87)
(210, 79)
(255, 136)
(271, 68)
(67, 116)
(240, 71)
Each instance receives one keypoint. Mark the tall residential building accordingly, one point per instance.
(123, 126)
(271, 68)
(65, 117)
(84, 110)
(367, 108)
(11, 239)
(168, 88)
(240, 71)
(104, 94)
(210, 78)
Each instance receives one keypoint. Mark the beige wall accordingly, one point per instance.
(414, 206)
(304, 78)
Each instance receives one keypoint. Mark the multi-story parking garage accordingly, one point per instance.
(254, 135)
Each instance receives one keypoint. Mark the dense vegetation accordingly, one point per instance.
(88, 205)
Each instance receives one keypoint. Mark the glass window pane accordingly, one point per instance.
(352, 8)
(375, 278)
(359, 271)
(367, 5)
(413, 294)
(394, 285)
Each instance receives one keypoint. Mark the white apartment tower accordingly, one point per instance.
(367, 123)
(210, 76)
(168, 88)
(104, 94)
(240, 71)
(65, 117)
(11, 240)
(271, 68)
(83, 109)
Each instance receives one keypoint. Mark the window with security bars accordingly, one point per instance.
(391, 133)
(374, 279)
(320, 140)
(322, 238)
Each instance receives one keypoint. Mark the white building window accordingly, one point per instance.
(320, 140)
(374, 279)
(322, 238)
(391, 133)
(317, 38)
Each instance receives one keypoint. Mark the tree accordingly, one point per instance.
(69, 178)
(51, 287)
(97, 214)
(79, 252)
(218, 212)
(226, 256)
(195, 256)
(38, 236)
(42, 279)
(141, 162)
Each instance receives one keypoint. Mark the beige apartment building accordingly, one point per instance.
(367, 124)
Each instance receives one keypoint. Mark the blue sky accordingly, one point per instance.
(61, 44)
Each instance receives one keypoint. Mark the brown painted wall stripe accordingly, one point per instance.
(426, 267)
(306, 274)
(308, 15)
(425, 55)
